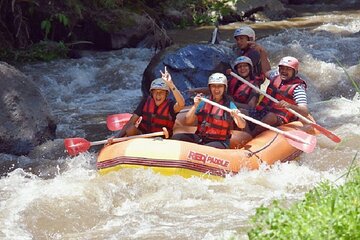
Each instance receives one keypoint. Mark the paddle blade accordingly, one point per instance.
(117, 121)
(75, 146)
(327, 133)
(301, 140)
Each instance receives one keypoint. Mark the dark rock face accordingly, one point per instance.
(25, 119)
(129, 30)
(189, 66)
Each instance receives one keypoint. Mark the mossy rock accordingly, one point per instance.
(116, 20)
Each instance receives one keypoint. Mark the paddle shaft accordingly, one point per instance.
(270, 97)
(323, 130)
(147, 135)
(256, 121)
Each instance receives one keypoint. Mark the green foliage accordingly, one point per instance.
(46, 24)
(327, 212)
(58, 19)
(356, 86)
(42, 51)
(209, 11)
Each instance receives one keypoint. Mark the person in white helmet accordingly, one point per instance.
(214, 125)
(156, 111)
(289, 89)
(246, 46)
(244, 96)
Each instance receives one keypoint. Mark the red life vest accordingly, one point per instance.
(214, 123)
(242, 92)
(281, 90)
(156, 117)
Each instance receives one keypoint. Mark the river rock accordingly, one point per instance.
(271, 9)
(25, 119)
(126, 30)
(189, 66)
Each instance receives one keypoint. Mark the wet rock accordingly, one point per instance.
(264, 10)
(25, 119)
(126, 30)
(50, 150)
(9, 162)
(190, 66)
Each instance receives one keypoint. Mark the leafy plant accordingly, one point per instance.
(209, 12)
(42, 51)
(327, 212)
(46, 24)
(356, 86)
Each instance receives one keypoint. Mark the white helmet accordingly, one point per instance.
(217, 78)
(242, 59)
(246, 31)
(159, 83)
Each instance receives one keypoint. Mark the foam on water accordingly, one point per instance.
(138, 204)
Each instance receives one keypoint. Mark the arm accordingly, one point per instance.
(239, 121)
(180, 101)
(301, 108)
(300, 99)
(190, 116)
(131, 122)
(264, 59)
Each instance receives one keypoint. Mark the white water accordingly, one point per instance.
(136, 204)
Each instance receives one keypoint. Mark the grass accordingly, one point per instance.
(355, 85)
(327, 212)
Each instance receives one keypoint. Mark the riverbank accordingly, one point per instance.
(308, 20)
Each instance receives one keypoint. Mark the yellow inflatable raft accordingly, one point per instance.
(172, 157)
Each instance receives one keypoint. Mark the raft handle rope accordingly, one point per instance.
(251, 153)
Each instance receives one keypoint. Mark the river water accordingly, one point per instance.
(77, 203)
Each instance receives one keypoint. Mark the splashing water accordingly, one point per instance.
(77, 203)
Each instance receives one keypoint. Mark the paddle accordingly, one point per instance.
(321, 129)
(299, 139)
(117, 121)
(75, 146)
(203, 90)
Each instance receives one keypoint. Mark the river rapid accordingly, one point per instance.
(77, 203)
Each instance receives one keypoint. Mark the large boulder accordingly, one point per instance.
(25, 119)
(189, 66)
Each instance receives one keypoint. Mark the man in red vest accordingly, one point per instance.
(289, 89)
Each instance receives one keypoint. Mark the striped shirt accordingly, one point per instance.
(299, 92)
(300, 95)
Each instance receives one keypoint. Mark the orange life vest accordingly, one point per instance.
(214, 123)
(281, 90)
(154, 118)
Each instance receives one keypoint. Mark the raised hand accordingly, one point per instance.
(167, 77)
